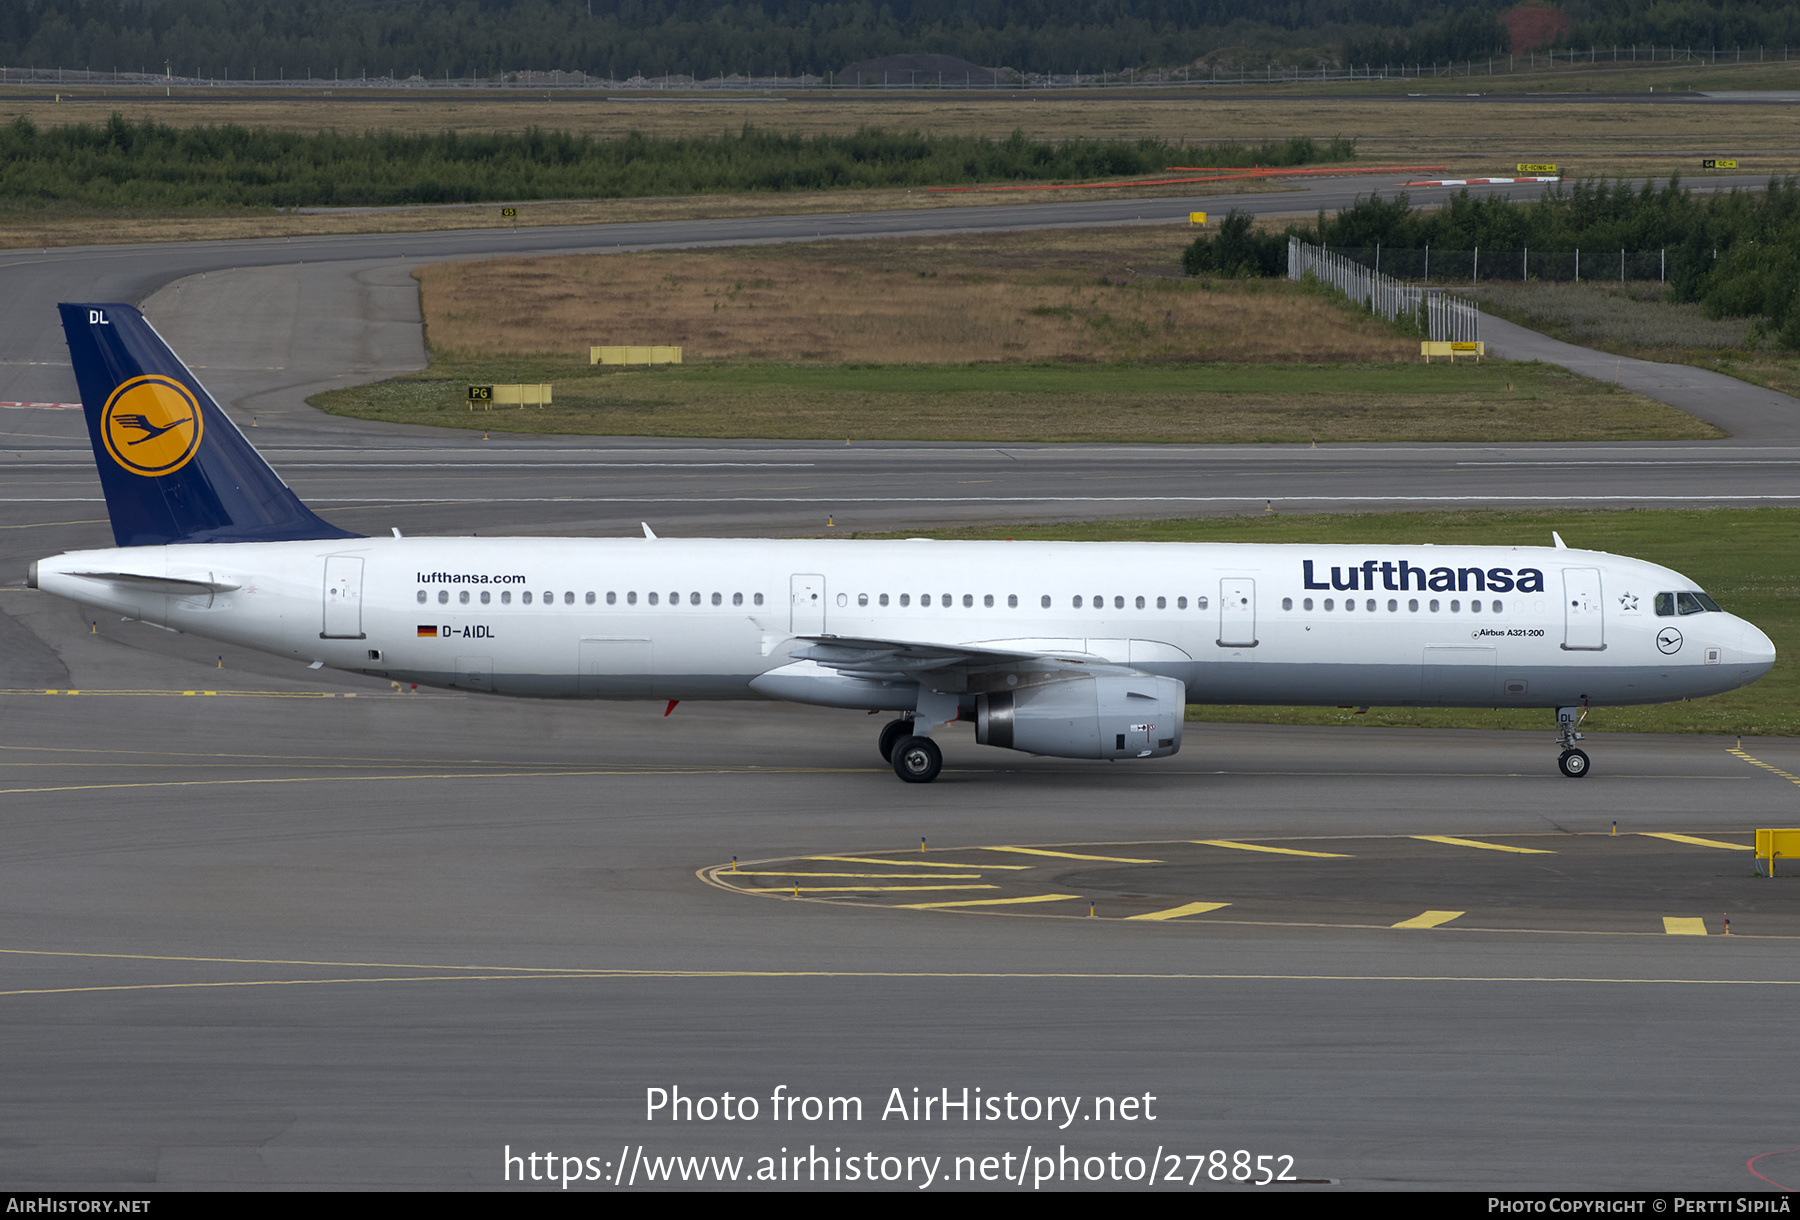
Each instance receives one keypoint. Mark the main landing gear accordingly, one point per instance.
(892, 734)
(1574, 762)
(917, 760)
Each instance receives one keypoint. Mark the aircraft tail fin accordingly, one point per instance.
(173, 465)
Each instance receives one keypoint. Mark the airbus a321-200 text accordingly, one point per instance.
(1074, 650)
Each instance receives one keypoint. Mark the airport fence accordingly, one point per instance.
(1479, 266)
(1444, 318)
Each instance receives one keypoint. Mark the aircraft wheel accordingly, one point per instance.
(917, 760)
(1573, 763)
(892, 734)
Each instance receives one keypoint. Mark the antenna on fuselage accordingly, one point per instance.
(1560, 544)
(649, 534)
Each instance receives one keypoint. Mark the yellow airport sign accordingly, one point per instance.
(1536, 169)
(1196, 218)
(1713, 163)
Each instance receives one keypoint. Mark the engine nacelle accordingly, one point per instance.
(1106, 716)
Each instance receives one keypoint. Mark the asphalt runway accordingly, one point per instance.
(261, 926)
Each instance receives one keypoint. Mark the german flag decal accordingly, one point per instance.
(427, 632)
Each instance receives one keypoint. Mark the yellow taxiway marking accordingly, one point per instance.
(902, 876)
(1279, 851)
(493, 973)
(989, 902)
(913, 863)
(1757, 762)
(1454, 842)
(1070, 855)
(1695, 840)
(856, 889)
(1192, 908)
(1430, 919)
(1676, 926)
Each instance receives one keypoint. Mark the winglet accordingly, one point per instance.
(172, 464)
(1560, 544)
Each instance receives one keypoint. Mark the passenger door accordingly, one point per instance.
(1584, 611)
(343, 598)
(1237, 612)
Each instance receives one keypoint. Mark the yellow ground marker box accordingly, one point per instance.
(1777, 844)
(1196, 218)
(634, 355)
(509, 395)
(1450, 350)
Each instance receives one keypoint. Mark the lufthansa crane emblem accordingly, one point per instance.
(151, 425)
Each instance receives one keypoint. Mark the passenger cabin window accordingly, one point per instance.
(590, 599)
(718, 599)
(463, 597)
(756, 599)
(612, 599)
(486, 597)
(421, 597)
(506, 597)
(443, 596)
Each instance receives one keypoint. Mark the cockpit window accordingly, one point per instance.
(1668, 604)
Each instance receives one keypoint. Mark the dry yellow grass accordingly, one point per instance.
(1467, 135)
(1109, 294)
(1470, 138)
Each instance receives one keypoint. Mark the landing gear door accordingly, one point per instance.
(343, 598)
(806, 613)
(1237, 612)
(1584, 612)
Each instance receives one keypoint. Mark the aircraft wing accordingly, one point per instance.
(930, 663)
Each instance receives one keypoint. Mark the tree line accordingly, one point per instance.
(705, 38)
(150, 165)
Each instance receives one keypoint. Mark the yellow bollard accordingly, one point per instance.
(734, 864)
(1615, 828)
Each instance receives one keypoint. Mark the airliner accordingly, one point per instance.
(1071, 650)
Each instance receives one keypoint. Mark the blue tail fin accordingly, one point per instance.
(173, 465)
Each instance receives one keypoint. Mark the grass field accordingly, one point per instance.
(1743, 557)
(1469, 137)
(1054, 336)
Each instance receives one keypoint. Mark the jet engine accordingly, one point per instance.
(1104, 716)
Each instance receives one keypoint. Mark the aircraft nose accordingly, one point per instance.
(1756, 648)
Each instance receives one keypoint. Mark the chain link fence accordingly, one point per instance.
(1480, 266)
(1445, 318)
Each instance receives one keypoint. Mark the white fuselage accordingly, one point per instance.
(719, 619)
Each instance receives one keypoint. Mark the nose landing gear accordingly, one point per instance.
(1574, 762)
